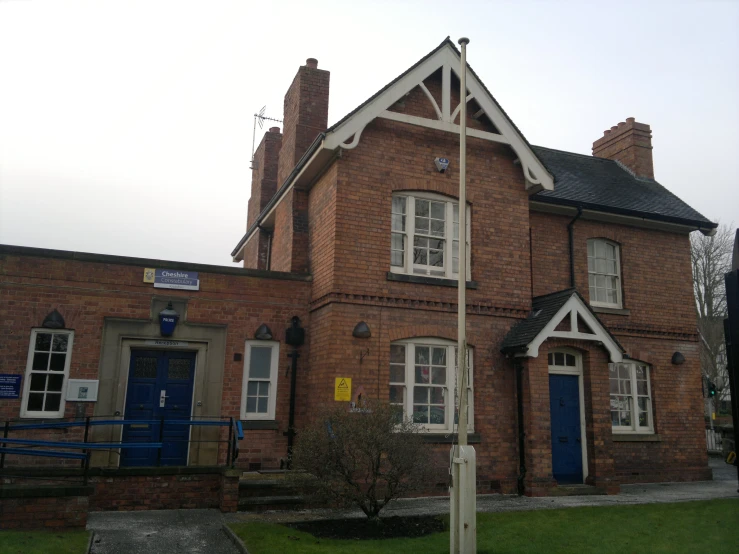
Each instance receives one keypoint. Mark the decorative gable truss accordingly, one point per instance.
(574, 320)
(347, 133)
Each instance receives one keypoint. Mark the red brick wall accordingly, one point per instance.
(655, 268)
(51, 513)
(156, 492)
(394, 156)
(87, 292)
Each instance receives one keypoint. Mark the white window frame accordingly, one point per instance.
(450, 400)
(409, 231)
(273, 371)
(619, 297)
(25, 412)
(634, 428)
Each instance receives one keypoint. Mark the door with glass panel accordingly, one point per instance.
(160, 385)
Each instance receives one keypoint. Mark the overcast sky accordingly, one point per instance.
(126, 126)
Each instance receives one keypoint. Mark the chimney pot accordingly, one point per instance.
(630, 120)
(614, 128)
(312, 63)
(274, 129)
(606, 132)
(622, 123)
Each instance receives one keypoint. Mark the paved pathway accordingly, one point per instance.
(159, 532)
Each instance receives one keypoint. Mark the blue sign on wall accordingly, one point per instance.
(176, 279)
(10, 386)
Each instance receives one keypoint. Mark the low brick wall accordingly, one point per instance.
(145, 488)
(43, 507)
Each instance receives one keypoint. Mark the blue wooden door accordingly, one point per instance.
(160, 384)
(564, 401)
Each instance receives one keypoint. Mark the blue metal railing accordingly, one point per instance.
(35, 447)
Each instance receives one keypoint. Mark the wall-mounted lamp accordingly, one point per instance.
(678, 358)
(295, 334)
(168, 319)
(361, 331)
(54, 320)
(263, 332)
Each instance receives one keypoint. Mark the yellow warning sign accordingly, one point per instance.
(149, 275)
(343, 389)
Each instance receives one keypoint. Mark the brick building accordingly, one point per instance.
(581, 320)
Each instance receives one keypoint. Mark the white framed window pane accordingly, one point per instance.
(262, 405)
(53, 401)
(60, 342)
(397, 353)
(43, 342)
(260, 362)
(398, 222)
(40, 361)
(397, 393)
(422, 208)
(251, 404)
(438, 210)
(399, 204)
(36, 402)
(252, 388)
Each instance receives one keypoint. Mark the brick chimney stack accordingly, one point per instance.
(263, 188)
(305, 115)
(630, 143)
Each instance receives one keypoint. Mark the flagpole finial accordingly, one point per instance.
(463, 41)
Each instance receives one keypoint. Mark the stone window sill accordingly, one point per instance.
(626, 437)
(256, 424)
(611, 311)
(444, 438)
(424, 280)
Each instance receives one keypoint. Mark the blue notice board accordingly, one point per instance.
(10, 386)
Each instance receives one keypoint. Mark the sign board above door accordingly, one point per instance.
(172, 279)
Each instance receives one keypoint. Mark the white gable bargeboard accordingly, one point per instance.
(347, 134)
(573, 308)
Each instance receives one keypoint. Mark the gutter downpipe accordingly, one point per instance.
(518, 365)
(571, 236)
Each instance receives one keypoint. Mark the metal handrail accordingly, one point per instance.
(235, 434)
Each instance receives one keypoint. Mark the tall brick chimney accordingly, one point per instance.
(630, 143)
(305, 115)
(263, 188)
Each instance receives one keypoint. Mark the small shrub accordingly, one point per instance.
(363, 458)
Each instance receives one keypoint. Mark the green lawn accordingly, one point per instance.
(44, 542)
(690, 527)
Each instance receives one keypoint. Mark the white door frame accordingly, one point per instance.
(577, 371)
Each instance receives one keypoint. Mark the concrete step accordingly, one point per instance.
(261, 503)
(576, 490)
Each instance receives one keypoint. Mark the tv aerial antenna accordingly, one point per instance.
(259, 118)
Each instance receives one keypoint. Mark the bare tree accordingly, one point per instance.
(711, 259)
(363, 458)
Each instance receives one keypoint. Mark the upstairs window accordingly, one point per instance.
(604, 273)
(631, 398)
(259, 392)
(425, 235)
(423, 381)
(47, 370)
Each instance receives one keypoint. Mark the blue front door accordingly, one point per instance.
(159, 388)
(564, 401)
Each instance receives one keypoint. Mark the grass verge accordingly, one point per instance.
(689, 527)
(44, 542)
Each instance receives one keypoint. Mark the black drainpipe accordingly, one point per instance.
(294, 336)
(571, 234)
(521, 433)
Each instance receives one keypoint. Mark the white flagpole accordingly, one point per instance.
(463, 524)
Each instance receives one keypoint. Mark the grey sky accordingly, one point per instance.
(125, 126)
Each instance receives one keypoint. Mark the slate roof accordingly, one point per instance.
(607, 186)
(543, 309)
